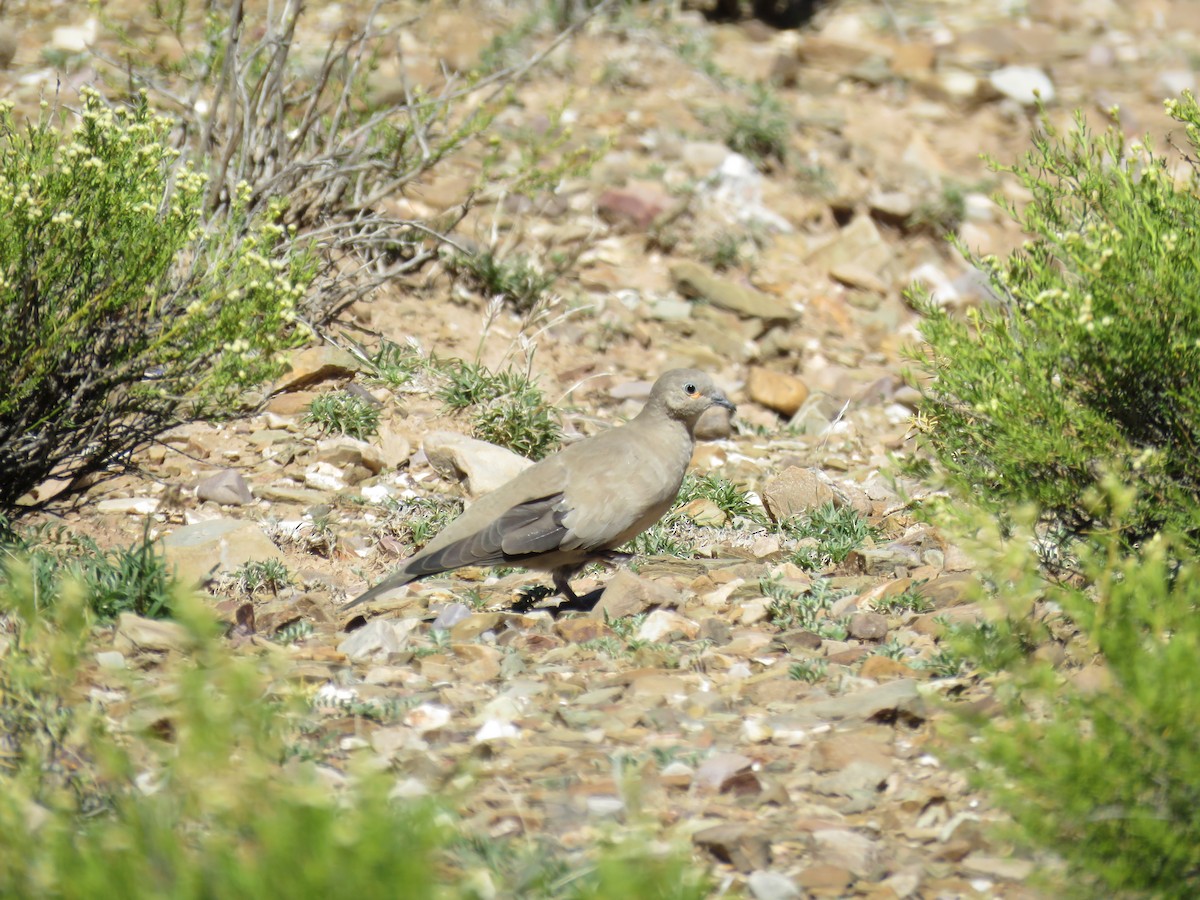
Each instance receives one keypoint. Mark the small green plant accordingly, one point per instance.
(515, 279)
(293, 632)
(662, 539)
(731, 498)
(723, 252)
(1088, 366)
(808, 670)
(836, 531)
(894, 649)
(911, 598)
(507, 408)
(396, 365)
(416, 521)
(262, 575)
(942, 214)
(124, 579)
(803, 609)
(758, 129)
(625, 626)
(337, 412)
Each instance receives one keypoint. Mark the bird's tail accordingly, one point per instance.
(399, 578)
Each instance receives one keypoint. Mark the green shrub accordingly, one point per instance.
(1088, 364)
(1104, 774)
(115, 306)
(212, 788)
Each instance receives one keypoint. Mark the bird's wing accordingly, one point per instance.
(526, 529)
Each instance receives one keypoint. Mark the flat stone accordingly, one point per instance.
(128, 506)
(638, 204)
(695, 280)
(197, 552)
(796, 491)
(883, 668)
(378, 639)
(136, 634)
(859, 244)
(579, 631)
(882, 702)
(739, 845)
(866, 626)
(226, 487)
(627, 594)
(344, 451)
(777, 391)
(482, 467)
(314, 365)
(850, 850)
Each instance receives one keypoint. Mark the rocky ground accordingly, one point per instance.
(798, 760)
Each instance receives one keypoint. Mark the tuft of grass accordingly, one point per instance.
(758, 129)
(262, 575)
(731, 498)
(910, 598)
(837, 532)
(396, 365)
(804, 609)
(808, 670)
(342, 413)
(514, 279)
(124, 579)
(507, 408)
(418, 520)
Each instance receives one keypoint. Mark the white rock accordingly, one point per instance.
(74, 38)
(496, 730)
(771, 886)
(481, 466)
(378, 639)
(324, 477)
(1024, 84)
(662, 622)
(427, 717)
(131, 506)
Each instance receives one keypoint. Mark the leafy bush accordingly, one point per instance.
(211, 790)
(103, 331)
(1089, 363)
(1104, 774)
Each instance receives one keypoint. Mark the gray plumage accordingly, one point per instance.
(580, 504)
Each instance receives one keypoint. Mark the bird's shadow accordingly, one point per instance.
(531, 598)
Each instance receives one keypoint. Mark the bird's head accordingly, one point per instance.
(685, 394)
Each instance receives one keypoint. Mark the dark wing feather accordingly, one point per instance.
(526, 529)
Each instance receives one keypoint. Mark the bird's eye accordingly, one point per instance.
(690, 389)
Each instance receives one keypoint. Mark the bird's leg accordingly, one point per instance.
(562, 582)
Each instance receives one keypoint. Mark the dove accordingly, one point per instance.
(578, 505)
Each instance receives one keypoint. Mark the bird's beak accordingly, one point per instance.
(721, 400)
